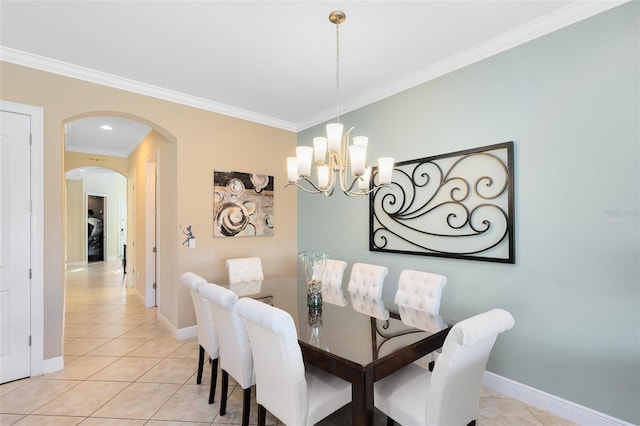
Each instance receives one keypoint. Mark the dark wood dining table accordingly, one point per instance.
(349, 344)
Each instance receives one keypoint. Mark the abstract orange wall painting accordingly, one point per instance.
(242, 204)
(457, 205)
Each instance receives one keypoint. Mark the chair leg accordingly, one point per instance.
(225, 389)
(200, 365)
(390, 421)
(262, 415)
(246, 405)
(214, 379)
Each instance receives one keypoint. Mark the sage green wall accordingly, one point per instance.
(569, 101)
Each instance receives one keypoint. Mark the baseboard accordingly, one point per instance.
(167, 325)
(187, 332)
(140, 297)
(178, 334)
(550, 403)
(52, 365)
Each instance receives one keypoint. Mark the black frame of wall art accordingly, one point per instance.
(458, 205)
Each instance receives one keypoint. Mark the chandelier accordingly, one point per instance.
(342, 153)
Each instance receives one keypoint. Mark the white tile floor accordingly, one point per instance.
(123, 368)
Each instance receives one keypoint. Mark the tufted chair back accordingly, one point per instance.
(280, 379)
(235, 349)
(333, 273)
(449, 396)
(206, 332)
(207, 338)
(244, 270)
(367, 280)
(456, 381)
(365, 289)
(420, 291)
(296, 395)
(332, 282)
(369, 306)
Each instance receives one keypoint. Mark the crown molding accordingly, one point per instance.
(559, 19)
(54, 66)
(563, 17)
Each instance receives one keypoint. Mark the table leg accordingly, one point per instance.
(362, 408)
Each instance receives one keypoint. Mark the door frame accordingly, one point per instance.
(151, 231)
(37, 231)
(105, 199)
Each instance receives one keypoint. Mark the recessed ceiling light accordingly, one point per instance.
(106, 127)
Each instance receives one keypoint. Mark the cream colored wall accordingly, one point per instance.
(200, 142)
(159, 148)
(75, 237)
(75, 160)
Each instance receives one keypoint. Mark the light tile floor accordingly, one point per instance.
(123, 368)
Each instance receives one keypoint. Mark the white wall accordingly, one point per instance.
(569, 101)
(114, 186)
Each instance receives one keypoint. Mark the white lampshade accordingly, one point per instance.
(334, 136)
(292, 169)
(385, 168)
(319, 149)
(323, 176)
(304, 154)
(357, 154)
(360, 140)
(363, 182)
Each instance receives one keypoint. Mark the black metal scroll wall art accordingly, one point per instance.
(458, 205)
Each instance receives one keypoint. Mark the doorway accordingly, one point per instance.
(96, 232)
(21, 241)
(134, 217)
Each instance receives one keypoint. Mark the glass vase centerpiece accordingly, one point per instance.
(314, 263)
(314, 319)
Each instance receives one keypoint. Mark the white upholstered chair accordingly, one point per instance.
(244, 270)
(365, 289)
(246, 288)
(450, 394)
(369, 306)
(235, 349)
(207, 338)
(332, 282)
(295, 395)
(418, 296)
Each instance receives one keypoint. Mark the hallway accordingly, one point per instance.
(123, 368)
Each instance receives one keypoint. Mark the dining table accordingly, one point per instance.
(351, 344)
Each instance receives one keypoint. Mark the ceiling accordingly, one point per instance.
(272, 62)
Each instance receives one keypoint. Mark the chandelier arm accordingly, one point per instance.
(367, 192)
(344, 163)
(353, 183)
(315, 189)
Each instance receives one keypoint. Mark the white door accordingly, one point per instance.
(15, 248)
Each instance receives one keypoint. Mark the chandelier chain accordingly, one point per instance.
(337, 73)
